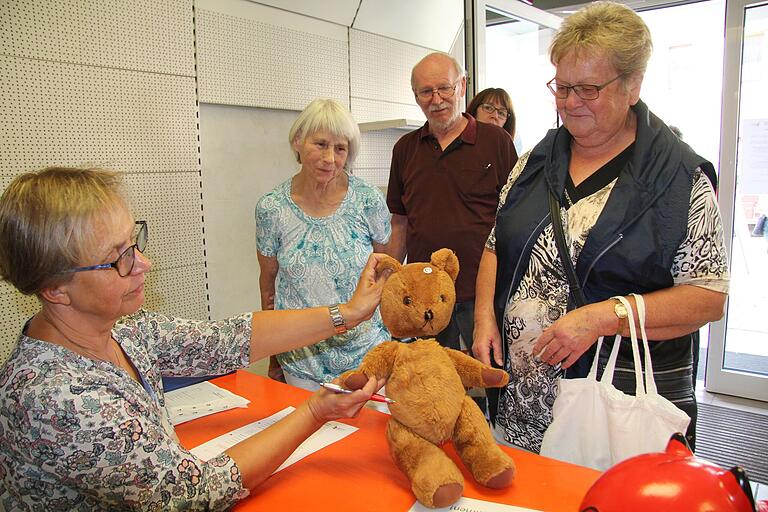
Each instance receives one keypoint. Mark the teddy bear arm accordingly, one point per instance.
(489, 464)
(377, 363)
(473, 373)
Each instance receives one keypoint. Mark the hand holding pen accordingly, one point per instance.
(338, 389)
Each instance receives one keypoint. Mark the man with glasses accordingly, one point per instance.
(444, 183)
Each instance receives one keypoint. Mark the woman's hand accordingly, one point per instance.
(327, 405)
(367, 295)
(570, 336)
(486, 340)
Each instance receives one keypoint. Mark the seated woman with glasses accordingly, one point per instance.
(82, 419)
(638, 216)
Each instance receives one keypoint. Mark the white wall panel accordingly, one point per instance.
(381, 67)
(336, 11)
(16, 309)
(245, 154)
(142, 35)
(429, 23)
(376, 155)
(55, 113)
(179, 291)
(280, 16)
(109, 84)
(170, 203)
(242, 61)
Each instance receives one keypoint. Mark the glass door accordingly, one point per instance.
(738, 353)
(510, 50)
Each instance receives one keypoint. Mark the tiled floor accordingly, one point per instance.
(732, 402)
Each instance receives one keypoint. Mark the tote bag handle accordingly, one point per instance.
(640, 389)
(650, 382)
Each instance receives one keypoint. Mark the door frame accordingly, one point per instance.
(474, 22)
(719, 379)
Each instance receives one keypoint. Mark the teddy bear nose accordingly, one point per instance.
(428, 315)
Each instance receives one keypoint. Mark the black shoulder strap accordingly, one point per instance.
(577, 295)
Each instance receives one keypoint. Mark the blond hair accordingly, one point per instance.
(606, 28)
(324, 115)
(48, 221)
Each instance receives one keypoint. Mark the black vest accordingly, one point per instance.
(632, 246)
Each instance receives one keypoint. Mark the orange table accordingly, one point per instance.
(357, 472)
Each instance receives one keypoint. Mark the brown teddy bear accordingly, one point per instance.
(428, 384)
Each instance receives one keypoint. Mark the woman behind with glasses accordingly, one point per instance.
(494, 106)
(83, 424)
(639, 216)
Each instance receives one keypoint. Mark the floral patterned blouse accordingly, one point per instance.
(319, 262)
(79, 434)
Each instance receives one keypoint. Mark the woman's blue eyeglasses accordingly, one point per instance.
(127, 259)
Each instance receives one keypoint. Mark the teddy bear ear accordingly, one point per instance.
(388, 263)
(446, 260)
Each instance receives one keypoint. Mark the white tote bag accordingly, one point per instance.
(596, 425)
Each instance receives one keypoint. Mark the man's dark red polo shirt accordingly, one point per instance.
(450, 197)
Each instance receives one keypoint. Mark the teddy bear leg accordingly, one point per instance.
(435, 480)
(472, 438)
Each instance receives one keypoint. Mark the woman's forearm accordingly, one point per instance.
(670, 313)
(260, 455)
(485, 285)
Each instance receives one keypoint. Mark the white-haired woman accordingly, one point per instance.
(314, 233)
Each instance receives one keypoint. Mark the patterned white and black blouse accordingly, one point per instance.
(525, 405)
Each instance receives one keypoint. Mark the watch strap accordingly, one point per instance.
(623, 320)
(338, 321)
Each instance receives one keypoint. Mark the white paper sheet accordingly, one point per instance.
(472, 505)
(329, 433)
(200, 400)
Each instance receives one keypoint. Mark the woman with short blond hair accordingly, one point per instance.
(83, 424)
(638, 215)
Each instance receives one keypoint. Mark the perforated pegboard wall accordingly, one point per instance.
(111, 84)
(245, 62)
(375, 155)
(170, 203)
(134, 121)
(381, 68)
(144, 35)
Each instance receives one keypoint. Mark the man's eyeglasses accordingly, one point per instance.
(445, 91)
(490, 109)
(125, 262)
(583, 91)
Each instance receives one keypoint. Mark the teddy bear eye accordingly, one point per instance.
(407, 300)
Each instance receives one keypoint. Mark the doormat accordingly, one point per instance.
(730, 437)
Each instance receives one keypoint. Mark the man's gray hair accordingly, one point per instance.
(456, 66)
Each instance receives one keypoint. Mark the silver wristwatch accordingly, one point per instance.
(338, 321)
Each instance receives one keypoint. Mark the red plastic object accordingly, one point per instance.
(672, 480)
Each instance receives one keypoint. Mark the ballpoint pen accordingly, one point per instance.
(338, 389)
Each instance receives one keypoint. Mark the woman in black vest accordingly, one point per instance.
(639, 215)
